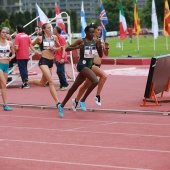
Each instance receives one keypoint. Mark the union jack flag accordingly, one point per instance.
(103, 20)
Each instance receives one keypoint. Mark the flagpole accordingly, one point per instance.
(28, 24)
(122, 47)
(154, 46)
(138, 44)
(166, 43)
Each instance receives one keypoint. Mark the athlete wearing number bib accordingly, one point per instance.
(4, 55)
(45, 45)
(87, 55)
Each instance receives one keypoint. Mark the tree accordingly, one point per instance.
(4, 15)
(7, 24)
(73, 20)
(112, 12)
(51, 14)
(146, 13)
(28, 29)
(34, 24)
(12, 21)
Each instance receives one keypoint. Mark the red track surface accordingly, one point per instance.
(37, 139)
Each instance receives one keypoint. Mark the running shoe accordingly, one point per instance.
(62, 89)
(25, 85)
(7, 108)
(82, 106)
(61, 111)
(74, 105)
(57, 104)
(97, 100)
(67, 87)
(46, 84)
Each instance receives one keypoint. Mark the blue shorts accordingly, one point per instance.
(80, 67)
(4, 67)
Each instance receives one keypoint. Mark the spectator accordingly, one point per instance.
(22, 43)
(37, 33)
(61, 58)
(130, 32)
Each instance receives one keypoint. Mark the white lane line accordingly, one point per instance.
(78, 120)
(128, 68)
(85, 131)
(73, 163)
(86, 146)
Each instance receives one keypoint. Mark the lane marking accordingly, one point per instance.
(78, 120)
(72, 163)
(85, 131)
(86, 146)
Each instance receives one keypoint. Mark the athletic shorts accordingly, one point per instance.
(82, 63)
(97, 65)
(80, 67)
(4, 67)
(45, 61)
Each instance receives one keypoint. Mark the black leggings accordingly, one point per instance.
(84, 73)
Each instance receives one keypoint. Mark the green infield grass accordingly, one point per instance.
(146, 47)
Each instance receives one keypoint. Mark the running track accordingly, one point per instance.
(37, 139)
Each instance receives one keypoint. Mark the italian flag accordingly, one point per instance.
(122, 23)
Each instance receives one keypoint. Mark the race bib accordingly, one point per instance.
(48, 43)
(90, 51)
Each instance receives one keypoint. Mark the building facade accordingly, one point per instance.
(23, 5)
(11, 5)
(47, 4)
(90, 7)
(141, 3)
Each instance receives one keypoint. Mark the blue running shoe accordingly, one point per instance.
(82, 106)
(7, 108)
(61, 111)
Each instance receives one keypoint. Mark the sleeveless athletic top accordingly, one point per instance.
(4, 51)
(46, 43)
(88, 53)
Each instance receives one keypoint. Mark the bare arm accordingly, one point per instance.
(33, 49)
(12, 50)
(76, 45)
(99, 48)
(106, 48)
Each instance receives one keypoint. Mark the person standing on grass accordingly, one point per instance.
(5, 48)
(130, 33)
(22, 42)
(86, 45)
(60, 59)
(47, 44)
(97, 70)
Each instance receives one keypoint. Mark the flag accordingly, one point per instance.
(136, 20)
(122, 23)
(103, 21)
(59, 19)
(83, 21)
(42, 17)
(166, 18)
(154, 20)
